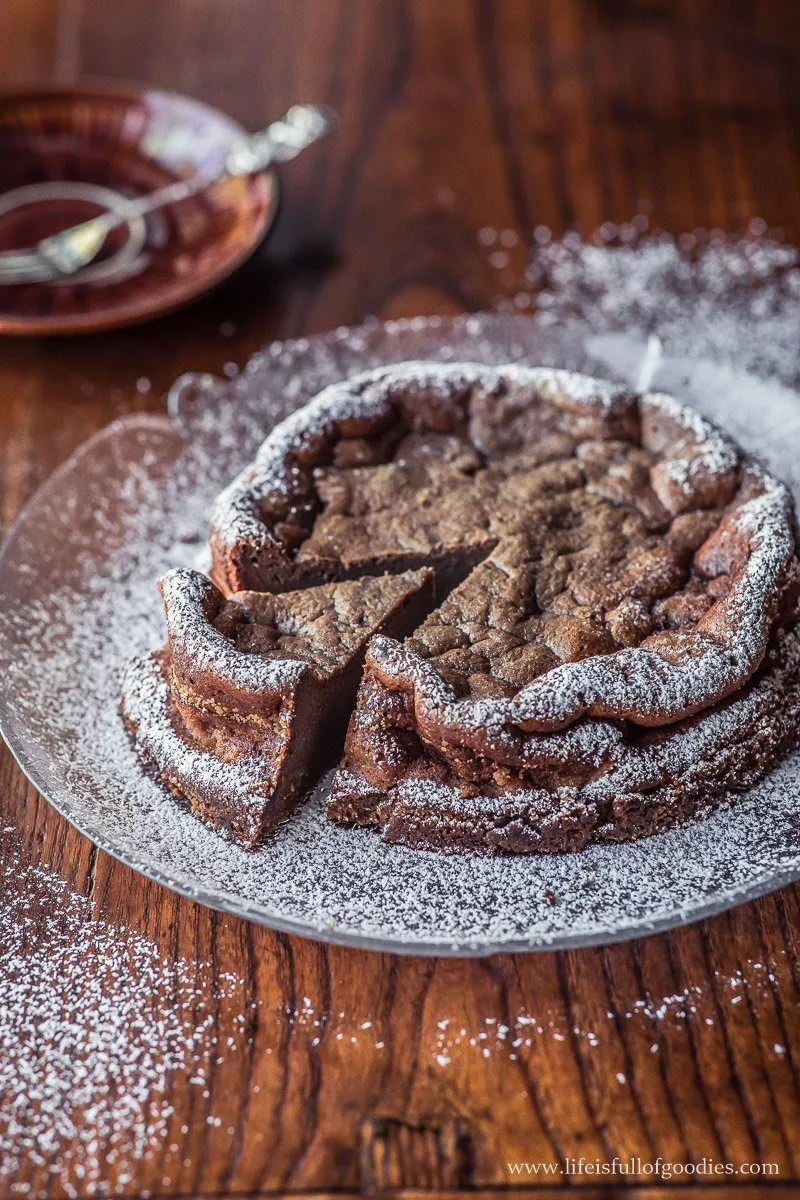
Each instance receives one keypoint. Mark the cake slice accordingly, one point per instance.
(251, 695)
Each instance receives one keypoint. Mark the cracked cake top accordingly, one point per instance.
(619, 558)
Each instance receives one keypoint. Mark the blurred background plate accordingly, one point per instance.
(78, 597)
(68, 153)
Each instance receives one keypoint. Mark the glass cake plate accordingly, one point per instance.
(78, 597)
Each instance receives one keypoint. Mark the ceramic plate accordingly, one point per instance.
(77, 597)
(69, 153)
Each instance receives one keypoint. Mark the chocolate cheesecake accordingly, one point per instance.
(613, 644)
(575, 608)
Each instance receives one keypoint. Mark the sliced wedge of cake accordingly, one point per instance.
(251, 695)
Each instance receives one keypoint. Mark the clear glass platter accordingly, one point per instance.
(77, 597)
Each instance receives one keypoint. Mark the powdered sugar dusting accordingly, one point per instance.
(733, 298)
(711, 455)
(81, 571)
(95, 1026)
(100, 1032)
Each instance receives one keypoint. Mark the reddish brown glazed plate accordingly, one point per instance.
(68, 153)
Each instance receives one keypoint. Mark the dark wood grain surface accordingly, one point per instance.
(455, 115)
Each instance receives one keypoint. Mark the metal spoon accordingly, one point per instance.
(73, 249)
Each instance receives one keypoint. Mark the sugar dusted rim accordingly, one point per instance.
(190, 603)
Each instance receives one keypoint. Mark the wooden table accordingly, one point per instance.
(455, 115)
